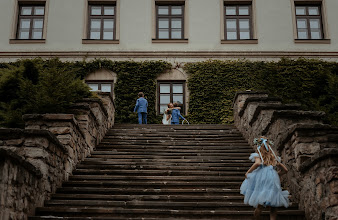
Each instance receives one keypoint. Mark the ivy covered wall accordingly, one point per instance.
(133, 77)
(213, 84)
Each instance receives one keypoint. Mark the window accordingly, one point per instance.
(238, 22)
(103, 86)
(170, 21)
(101, 24)
(171, 92)
(309, 22)
(31, 22)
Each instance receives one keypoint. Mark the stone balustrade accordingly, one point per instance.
(35, 161)
(308, 147)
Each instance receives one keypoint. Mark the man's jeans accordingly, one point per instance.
(142, 117)
(175, 123)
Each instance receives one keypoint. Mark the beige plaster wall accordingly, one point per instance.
(274, 28)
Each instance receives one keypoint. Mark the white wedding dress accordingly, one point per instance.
(164, 120)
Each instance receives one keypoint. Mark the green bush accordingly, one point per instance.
(34, 88)
(213, 84)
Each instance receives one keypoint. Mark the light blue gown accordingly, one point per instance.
(262, 187)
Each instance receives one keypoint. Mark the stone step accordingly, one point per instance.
(282, 215)
(171, 157)
(201, 167)
(153, 183)
(149, 190)
(224, 205)
(169, 160)
(176, 162)
(176, 143)
(168, 197)
(156, 178)
(173, 133)
(196, 148)
(170, 153)
(160, 172)
(168, 139)
(157, 172)
(165, 134)
(158, 213)
(176, 127)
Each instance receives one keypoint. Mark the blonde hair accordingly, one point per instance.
(268, 157)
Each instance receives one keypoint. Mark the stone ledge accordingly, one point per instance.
(7, 154)
(304, 127)
(317, 157)
(292, 114)
(99, 101)
(108, 94)
(15, 133)
(53, 117)
(257, 99)
(272, 106)
(248, 92)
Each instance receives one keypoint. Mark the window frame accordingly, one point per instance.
(101, 17)
(324, 23)
(171, 82)
(100, 82)
(238, 17)
(170, 17)
(307, 17)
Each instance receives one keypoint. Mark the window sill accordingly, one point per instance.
(89, 41)
(175, 41)
(19, 41)
(251, 41)
(310, 41)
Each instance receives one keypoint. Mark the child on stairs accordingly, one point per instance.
(262, 184)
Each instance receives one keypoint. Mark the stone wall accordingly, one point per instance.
(35, 161)
(308, 147)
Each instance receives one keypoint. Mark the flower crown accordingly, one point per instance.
(264, 142)
(259, 141)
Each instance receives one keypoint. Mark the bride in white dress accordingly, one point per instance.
(167, 115)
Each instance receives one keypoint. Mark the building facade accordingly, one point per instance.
(177, 31)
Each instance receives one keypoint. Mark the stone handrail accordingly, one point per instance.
(308, 147)
(35, 161)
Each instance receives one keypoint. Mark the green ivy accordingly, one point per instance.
(60, 85)
(213, 84)
(25, 86)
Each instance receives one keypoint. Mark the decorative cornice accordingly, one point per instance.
(168, 54)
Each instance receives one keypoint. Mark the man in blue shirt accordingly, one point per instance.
(176, 115)
(141, 108)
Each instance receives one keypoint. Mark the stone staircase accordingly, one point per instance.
(160, 172)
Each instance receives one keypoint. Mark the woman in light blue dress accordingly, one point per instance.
(261, 186)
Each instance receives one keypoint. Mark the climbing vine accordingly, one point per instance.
(213, 84)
